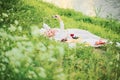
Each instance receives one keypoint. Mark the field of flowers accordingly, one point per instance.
(26, 55)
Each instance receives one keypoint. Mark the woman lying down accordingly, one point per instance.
(71, 35)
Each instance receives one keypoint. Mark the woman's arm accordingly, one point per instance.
(61, 25)
(60, 21)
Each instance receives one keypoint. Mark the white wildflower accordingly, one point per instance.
(16, 70)
(42, 72)
(4, 26)
(20, 28)
(31, 74)
(4, 15)
(16, 22)
(118, 44)
(1, 20)
(12, 28)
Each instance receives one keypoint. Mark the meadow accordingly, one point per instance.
(26, 55)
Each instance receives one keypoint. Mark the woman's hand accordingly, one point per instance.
(57, 17)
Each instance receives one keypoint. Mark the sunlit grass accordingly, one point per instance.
(26, 55)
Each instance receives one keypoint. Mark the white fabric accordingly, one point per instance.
(45, 26)
(60, 34)
(85, 36)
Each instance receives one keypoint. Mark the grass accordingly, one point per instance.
(25, 55)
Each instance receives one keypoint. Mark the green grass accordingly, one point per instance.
(25, 55)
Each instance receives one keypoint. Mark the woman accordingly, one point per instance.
(56, 33)
(72, 35)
